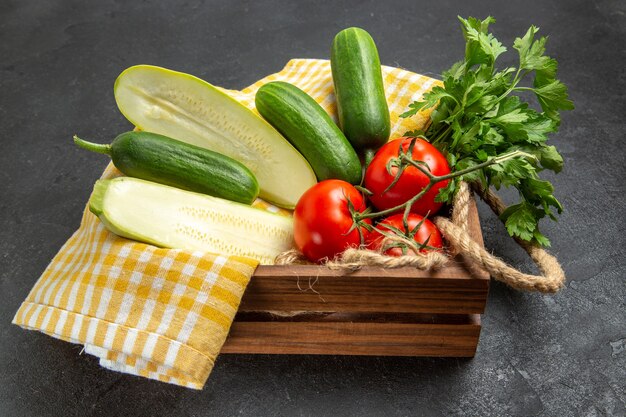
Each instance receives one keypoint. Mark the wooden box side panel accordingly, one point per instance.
(308, 309)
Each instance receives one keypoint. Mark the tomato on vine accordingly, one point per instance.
(323, 220)
(389, 191)
(425, 235)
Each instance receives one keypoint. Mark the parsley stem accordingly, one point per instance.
(442, 135)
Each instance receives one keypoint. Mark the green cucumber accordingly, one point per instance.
(157, 158)
(310, 129)
(172, 218)
(189, 109)
(357, 77)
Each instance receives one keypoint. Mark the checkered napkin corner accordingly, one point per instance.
(163, 313)
(158, 313)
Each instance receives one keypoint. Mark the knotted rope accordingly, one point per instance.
(455, 230)
(552, 277)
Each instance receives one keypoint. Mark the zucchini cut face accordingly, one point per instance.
(169, 217)
(191, 110)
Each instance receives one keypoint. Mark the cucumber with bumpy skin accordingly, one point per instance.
(172, 218)
(191, 110)
(361, 102)
(310, 129)
(157, 158)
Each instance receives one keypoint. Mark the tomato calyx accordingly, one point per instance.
(403, 161)
(358, 220)
(394, 237)
(404, 240)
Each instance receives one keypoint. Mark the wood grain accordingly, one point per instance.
(353, 338)
(373, 289)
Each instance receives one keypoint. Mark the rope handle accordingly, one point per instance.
(552, 277)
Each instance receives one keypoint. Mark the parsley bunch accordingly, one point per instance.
(479, 116)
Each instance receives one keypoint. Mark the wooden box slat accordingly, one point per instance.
(354, 338)
(372, 311)
(311, 288)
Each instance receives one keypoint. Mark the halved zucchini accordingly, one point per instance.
(189, 109)
(169, 217)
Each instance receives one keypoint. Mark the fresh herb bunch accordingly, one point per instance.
(478, 116)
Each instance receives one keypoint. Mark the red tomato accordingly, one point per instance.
(412, 180)
(427, 230)
(322, 220)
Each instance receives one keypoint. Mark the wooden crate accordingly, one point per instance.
(302, 309)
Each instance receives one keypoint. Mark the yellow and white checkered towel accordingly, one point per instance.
(164, 313)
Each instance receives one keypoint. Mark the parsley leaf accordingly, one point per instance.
(520, 220)
(553, 97)
(531, 52)
(550, 158)
(481, 47)
(431, 99)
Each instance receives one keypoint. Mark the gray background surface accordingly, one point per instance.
(562, 355)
